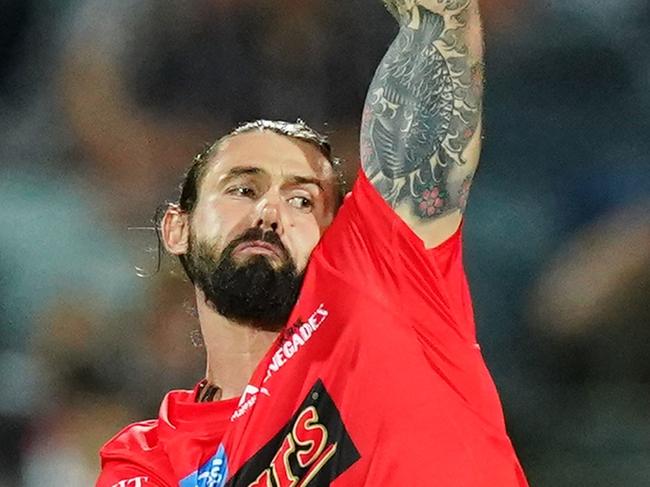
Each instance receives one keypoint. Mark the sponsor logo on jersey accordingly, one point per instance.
(251, 391)
(133, 482)
(295, 337)
(313, 448)
(212, 473)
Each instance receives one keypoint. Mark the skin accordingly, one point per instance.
(257, 179)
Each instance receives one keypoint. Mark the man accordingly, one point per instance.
(340, 349)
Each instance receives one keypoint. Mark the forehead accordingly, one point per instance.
(278, 155)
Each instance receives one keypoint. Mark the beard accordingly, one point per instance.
(252, 290)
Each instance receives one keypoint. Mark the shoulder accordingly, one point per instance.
(141, 436)
(145, 436)
(133, 457)
(139, 449)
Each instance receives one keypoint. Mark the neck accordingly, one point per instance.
(233, 350)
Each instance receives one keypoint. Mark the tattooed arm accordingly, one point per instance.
(421, 128)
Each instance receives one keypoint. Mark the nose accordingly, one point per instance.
(269, 218)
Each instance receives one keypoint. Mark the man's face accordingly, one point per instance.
(263, 205)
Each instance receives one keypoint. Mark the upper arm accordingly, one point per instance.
(421, 128)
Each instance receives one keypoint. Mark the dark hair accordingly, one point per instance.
(189, 189)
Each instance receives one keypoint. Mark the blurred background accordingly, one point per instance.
(103, 105)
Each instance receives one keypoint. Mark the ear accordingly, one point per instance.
(175, 230)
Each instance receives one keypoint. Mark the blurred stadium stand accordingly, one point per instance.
(103, 104)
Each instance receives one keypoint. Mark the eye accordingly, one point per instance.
(301, 202)
(243, 191)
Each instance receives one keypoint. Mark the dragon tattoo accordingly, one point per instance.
(422, 109)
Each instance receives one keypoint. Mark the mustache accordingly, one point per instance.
(257, 234)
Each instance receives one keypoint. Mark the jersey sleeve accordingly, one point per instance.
(370, 245)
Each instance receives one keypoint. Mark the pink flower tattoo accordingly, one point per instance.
(432, 201)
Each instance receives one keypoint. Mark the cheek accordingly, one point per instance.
(215, 224)
(206, 228)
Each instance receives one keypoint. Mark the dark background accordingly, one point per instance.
(103, 104)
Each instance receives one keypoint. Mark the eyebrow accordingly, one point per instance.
(297, 180)
(236, 172)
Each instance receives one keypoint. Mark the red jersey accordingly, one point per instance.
(376, 380)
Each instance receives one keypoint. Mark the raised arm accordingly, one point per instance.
(421, 128)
